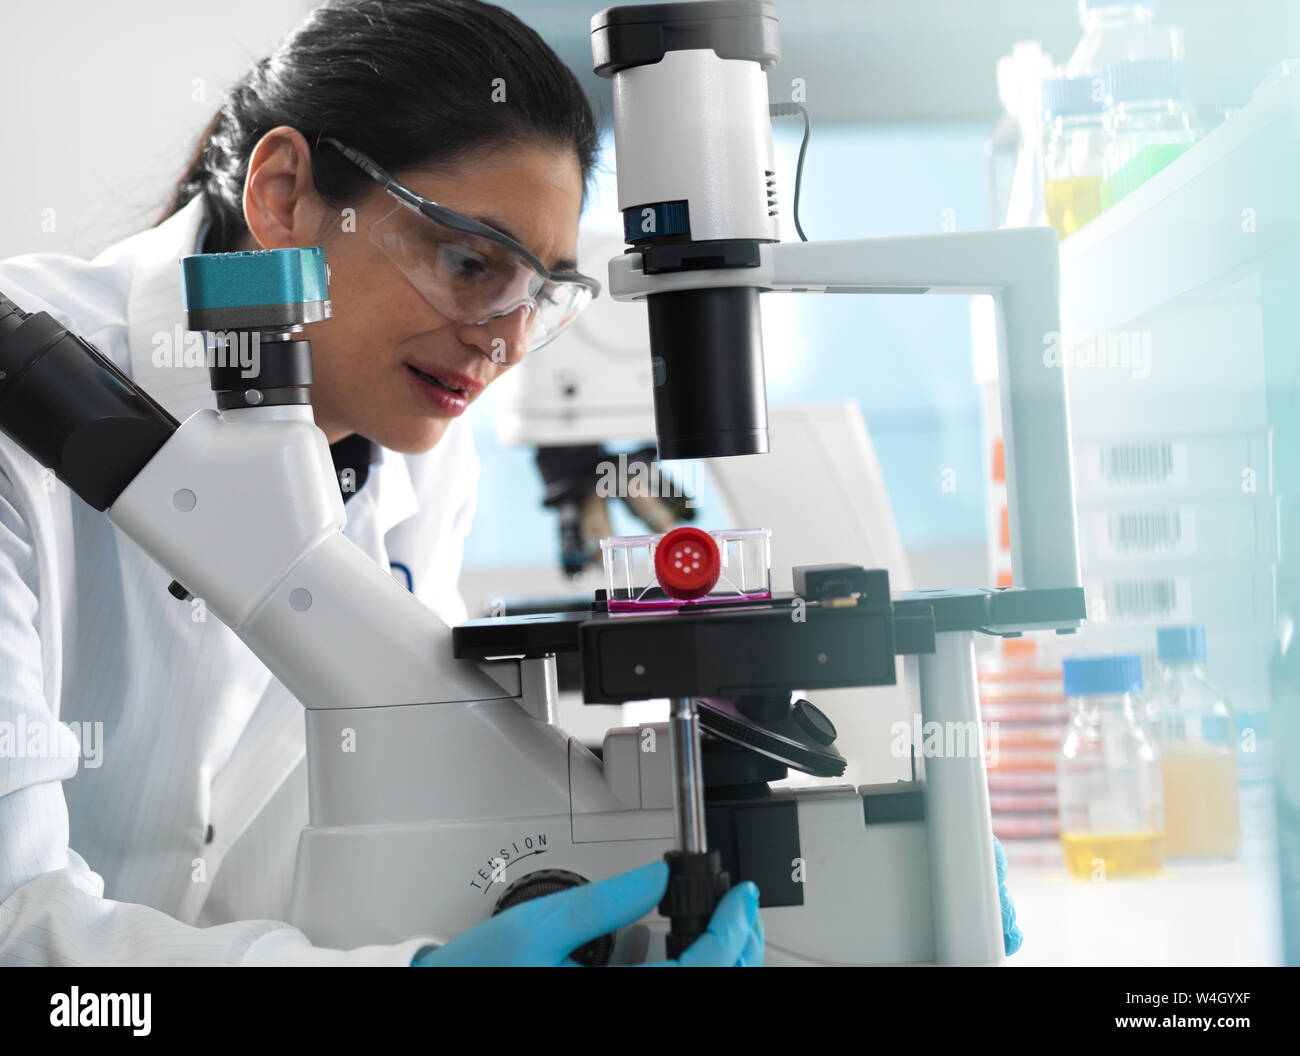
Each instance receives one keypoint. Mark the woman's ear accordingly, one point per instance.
(281, 206)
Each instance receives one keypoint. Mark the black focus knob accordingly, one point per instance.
(813, 721)
(594, 954)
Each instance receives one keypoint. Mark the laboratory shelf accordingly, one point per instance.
(1223, 210)
(1178, 307)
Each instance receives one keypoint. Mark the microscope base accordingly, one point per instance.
(865, 887)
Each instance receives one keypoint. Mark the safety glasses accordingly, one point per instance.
(470, 272)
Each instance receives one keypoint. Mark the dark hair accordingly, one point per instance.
(408, 82)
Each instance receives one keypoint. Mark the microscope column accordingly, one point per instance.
(696, 881)
(688, 775)
(963, 877)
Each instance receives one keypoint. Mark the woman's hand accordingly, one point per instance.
(1011, 936)
(544, 931)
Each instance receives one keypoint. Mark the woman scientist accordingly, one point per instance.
(180, 849)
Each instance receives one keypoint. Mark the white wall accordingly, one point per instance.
(101, 102)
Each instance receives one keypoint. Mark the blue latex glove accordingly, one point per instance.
(1011, 937)
(544, 931)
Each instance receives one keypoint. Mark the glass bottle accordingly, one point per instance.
(1113, 31)
(1074, 150)
(1149, 123)
(1108, 773)
(1196, 734)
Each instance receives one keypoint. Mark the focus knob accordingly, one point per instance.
(594, 954)
(814, 722)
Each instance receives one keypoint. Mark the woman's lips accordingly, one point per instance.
(468, 385)
(443, 399)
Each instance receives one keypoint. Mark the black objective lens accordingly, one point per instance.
(710, 391)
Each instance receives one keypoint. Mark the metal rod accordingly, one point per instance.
(688, 774)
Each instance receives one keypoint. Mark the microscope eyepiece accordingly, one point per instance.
(70, 407)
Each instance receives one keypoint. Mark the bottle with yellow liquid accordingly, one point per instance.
(1108, 774)
(1196, 734)
(1073, 150)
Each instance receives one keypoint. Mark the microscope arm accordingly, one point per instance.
(261, 543)
(1018, 267)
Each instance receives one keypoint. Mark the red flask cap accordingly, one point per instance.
(687, 563)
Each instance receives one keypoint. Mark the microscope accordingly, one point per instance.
(458, 796)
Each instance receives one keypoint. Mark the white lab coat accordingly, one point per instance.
(178, 848)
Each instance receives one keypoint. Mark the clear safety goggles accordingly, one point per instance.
(470, 272)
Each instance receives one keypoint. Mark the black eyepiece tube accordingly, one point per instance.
(710, 391)
(69, 407)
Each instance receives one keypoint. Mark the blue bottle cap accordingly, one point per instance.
(1180, 643)
(1091, 676)
(1144, 80)
(1071, 96)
